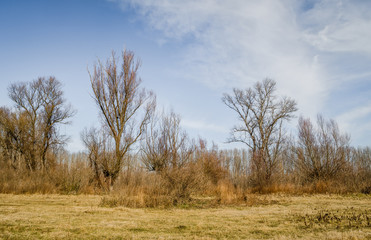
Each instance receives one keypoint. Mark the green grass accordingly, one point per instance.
(285, 217)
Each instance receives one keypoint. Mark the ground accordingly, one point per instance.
(265, 217)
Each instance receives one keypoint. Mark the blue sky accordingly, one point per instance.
(193, 51)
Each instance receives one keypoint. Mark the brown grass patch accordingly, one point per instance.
(271, 217)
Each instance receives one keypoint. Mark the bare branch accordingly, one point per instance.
(261, 116)
(125, 108)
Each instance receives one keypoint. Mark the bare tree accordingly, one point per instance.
(54, 112)
(209, 162)
(322, 152)
(15, 144)
(117, 93)
(40, 109)
(261, 116)
(361, 161)
(168, 151)
(100, 155)
(166, 146)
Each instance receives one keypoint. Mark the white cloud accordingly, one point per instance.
(357, 123)
(350, 119)
(203, 126)
(340, 26)
(237, 42)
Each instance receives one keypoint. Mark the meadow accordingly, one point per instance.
(271, 216)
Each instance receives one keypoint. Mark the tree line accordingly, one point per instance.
(137, 142)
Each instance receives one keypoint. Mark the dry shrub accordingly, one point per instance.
(73, 178)
(138, 201)
(227, 193)
(182, 182)
(144, 190)
(317, 187)
(322, 187)
(169, 187)
(210, 163)
(366, 190)
(179, 186)
(213, 171)
(65, 178)
(152, 193)
(23, 181)
(287, 188)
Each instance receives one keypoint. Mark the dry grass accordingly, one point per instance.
(268, 217)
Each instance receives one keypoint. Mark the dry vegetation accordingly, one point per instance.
(267, 217)
(178, 187)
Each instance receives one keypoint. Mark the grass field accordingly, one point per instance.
(268, 217)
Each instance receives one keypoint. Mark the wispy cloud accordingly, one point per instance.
(357, 122)
(237, 42)
(340, 26)
(203, 126)
(354, 114)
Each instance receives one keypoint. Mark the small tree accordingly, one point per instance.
(117, 93)
(166, 146)
(100, 155)
(209, 162)
(168, 151)
(261, 116)
(322, 152)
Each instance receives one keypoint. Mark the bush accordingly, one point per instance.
(144, 190)
(72, 178)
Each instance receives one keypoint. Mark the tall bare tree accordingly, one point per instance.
(125, 108)
(40, 109)
(261, 114)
